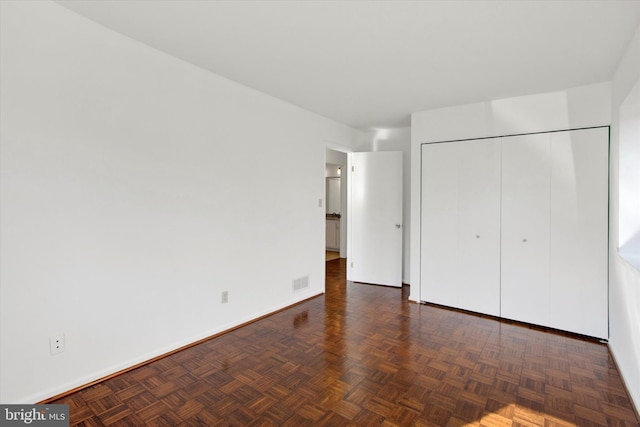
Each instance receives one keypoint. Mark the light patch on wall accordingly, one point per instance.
(380, 135)
(629, 213)
(533, 113)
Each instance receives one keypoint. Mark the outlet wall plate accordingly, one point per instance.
(56, 344)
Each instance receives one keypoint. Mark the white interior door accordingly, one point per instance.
(374, 242)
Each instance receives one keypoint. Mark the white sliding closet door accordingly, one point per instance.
(525, 228)
(579, 233)
(461, 225)
(439, 258)
(479, 226)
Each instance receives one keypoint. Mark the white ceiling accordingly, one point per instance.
(371, 63)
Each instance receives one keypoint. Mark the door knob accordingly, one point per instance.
(398, 225)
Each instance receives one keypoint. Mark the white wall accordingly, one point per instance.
(135, 188)
(624, 279)
(569, 109)
(398, 139)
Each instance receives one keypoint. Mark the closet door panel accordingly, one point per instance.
(479, 226)
(579, 232)
(439, 252)
(525, 228)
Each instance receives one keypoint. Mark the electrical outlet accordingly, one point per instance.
(56, 344)
(225, 297)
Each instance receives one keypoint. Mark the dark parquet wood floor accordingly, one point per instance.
(363, 356)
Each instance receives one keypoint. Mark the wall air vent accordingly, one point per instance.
(300, 283)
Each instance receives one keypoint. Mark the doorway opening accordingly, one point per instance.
(335, 205)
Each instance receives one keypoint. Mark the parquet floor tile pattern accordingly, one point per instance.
(362, 355)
